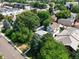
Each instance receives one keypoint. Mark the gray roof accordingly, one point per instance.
(66, 40)
(66, 22)
(70, 37)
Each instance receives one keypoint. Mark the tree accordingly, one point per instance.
(38, 5)
(46, 23)
(1, 17)
(63, 14)
(9, 19)
(35, 44)
(52, 50)
(27, 19)
(45, 18)
(75, 9)
(61, 7)
(59, 1)
(51, 8)
(77, 55)
(8, 32)
(22, 36)
(23, 27)
(77, 18)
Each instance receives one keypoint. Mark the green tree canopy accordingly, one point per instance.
(63, 14)
(38, 5)
(23, 27)
(53, 50)
(75, 9)
(1, 17)
(27, 19)
(77, 55)
(60, 7)
(45, 18)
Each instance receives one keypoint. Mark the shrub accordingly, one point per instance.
(75, 9)
(60, 7)
(1, 17)
(63, 14)
(38, 5)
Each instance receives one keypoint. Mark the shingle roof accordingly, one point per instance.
(70, 37)
(66, 22)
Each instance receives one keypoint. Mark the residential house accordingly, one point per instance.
(69, 21)
(55, 28)
(66, 22)
(69, 37)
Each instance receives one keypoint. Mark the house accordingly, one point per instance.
(66, 22)
(69, 37)
(69, 21)
(55, 28)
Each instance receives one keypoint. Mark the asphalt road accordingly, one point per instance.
(8, 51)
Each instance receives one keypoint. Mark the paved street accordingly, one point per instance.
(8, 51)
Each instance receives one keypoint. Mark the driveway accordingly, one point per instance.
(8, 51)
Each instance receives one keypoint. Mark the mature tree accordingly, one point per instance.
(60, 7)
(45, 18)
(22, 36)
(38, 5)
(1, 17)
(47, 48)
(63, 14)
(27, 19)
(23, 27)
(59, 1)
(77, 55)
(9, 18)
(75, 9)
(8, 32)
(51, 8)
(52, 50)
(35, 44)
